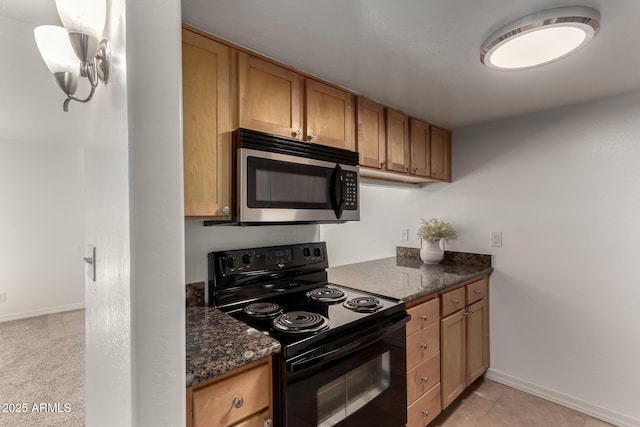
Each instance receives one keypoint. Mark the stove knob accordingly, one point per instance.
(247, 259)
(317, 252)
(230, 262)
(306, 252)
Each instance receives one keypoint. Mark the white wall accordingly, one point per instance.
(108, 389)
(562, 186)
(200, 240)
(41, 183)
(154, 81)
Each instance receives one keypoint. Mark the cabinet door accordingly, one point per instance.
(207, 127)
(440, 154)
(477, 341)
(371, 137)
(330, 116)
(452, 351)
(420, 141)
(397, 141)
(270, 97)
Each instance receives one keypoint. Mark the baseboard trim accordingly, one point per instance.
(562, 399)
(41, 312)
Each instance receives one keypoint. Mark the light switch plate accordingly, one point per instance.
(496, 239)
(404, 234)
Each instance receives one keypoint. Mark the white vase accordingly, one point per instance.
(431, 252)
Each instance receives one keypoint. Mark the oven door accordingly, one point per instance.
(362, 387)
(280, 188)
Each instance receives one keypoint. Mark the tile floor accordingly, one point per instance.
(61, 325)
(489, 404)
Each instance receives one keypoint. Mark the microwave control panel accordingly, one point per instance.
(351, 185)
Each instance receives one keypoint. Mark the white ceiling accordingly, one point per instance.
(422, 56)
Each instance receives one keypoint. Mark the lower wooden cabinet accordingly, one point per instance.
(447, 349)
(423, 363)
(464, 339)
(241, 398)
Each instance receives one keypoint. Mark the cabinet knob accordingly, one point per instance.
(425, 379)
(423, 318)
(312, 137)
(238, 402)
(297, 132)
(425, 413)
(477, 292)
(408, 169)
(424, 346)
(267, 422)
(466, 313)
(382, 163)
(456, 301)
(415, 171)
(226, 210)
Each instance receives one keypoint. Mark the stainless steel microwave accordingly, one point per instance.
(284, 181)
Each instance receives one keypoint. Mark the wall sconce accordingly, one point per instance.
(61, 48)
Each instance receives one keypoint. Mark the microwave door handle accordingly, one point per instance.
(339, 190)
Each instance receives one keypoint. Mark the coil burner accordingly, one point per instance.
(364, 304)
(262, 309)
(299, 322)
(327, 295)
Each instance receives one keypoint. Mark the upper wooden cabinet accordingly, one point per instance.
(330, 116)
(397, 141)
(420, 148)
(270, 97)
(206, 111)
(371, 133)
(440, 154)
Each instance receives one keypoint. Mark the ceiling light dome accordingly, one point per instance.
(540, 38)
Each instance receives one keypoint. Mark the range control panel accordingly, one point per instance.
(273, 258)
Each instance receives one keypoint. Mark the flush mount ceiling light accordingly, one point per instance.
(76, 50)
(540, 38)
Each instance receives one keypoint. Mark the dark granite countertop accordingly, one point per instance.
(218, 343)
(407, 278)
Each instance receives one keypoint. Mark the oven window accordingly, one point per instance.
(345, 395)
(277, 184)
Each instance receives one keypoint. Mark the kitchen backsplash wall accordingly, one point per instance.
(200, 240)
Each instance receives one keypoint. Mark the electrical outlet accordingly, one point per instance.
(404, 234)
(3, 297)
(496, 239)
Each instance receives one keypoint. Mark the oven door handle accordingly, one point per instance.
(311, 359)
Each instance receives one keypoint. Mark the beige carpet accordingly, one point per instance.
(42, 371)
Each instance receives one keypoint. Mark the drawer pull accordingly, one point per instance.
(425, 413)
(456, 301)
(425, 379)
(238, 402)
(424, 318)
(424, 346)
(477, 292)
(466, 313)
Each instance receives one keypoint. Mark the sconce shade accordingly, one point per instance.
(83, 16)
(55, 49)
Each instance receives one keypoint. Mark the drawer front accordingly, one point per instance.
(213, 405)
(476, 291)
(257, 420)
(423, 377)
(424, 410)
(423, 315)
(422, 345)
(452, 301)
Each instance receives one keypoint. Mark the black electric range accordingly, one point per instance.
(326, 331)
